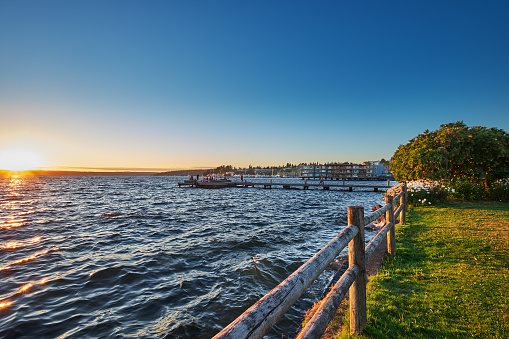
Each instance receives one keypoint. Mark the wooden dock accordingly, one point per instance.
(271, 184)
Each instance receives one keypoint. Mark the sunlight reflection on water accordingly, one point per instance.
(137, 256)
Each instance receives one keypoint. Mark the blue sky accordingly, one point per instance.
(176, 84)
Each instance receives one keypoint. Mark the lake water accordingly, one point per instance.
(108, 257)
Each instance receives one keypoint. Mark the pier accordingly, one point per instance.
(272, 184)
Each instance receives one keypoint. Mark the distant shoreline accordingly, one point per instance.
(182, 173)
(78, 173)
(176, 173)
(108, 173)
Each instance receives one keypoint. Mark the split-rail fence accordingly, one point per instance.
(256, 321)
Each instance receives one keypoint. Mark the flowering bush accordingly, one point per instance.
(422, 193)
(425, 193)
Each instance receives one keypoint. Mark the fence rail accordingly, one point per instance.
(256, 321)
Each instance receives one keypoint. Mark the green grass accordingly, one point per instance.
(449, 278)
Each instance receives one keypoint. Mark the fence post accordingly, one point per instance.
(389, 217)
(356, 256)
(404, 202)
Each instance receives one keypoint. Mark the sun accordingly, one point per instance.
(19, 159)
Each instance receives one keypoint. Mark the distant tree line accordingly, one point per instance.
(252, 170)
(269, 170)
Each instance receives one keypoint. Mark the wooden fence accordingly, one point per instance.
(256, 321)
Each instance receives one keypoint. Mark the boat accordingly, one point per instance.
(210, 181)
(220, 183)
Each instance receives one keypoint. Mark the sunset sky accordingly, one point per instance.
(183, 84)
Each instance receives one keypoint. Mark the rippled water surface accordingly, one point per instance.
(139, 257)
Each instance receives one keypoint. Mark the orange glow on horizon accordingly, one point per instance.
(16, 174)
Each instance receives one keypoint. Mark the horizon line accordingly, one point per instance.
(118, 169)
(142, 169)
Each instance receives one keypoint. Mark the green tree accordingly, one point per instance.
(454, 152)
(223, 169)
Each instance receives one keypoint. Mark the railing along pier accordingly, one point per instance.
(256, 321)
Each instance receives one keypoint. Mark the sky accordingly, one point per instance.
(198, 84)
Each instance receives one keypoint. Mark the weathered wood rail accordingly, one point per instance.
(256, 321)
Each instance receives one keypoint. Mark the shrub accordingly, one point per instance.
(425, 193)
(499, 191)
(422, 193)
(465, 189)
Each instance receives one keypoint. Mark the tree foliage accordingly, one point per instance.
(454, 152)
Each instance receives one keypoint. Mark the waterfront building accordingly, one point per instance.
(368, 170)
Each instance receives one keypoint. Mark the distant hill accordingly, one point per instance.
(182, 172)
(83, 173)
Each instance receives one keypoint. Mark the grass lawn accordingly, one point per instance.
(449, 278)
